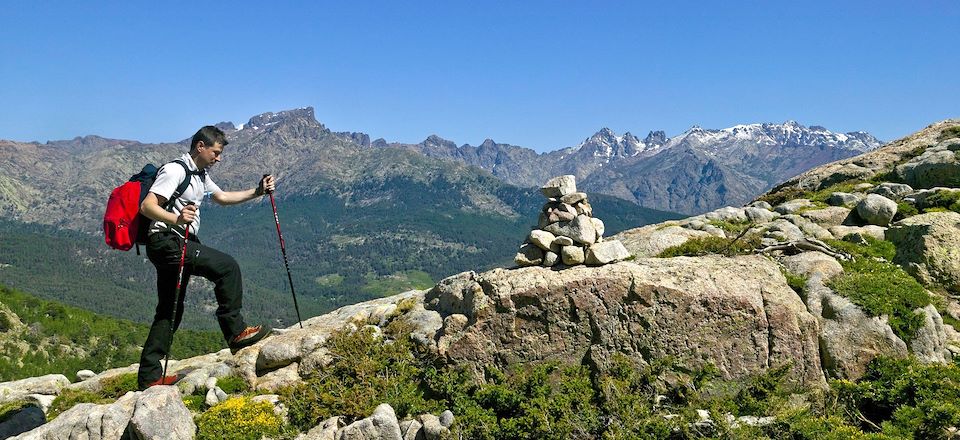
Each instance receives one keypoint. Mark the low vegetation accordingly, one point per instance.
(240, 418)
(740, 245)
(113, 388)
(880, 287)
(895, 399)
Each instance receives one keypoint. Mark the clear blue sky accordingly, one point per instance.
(541, 74)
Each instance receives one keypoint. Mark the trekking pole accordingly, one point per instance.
(176, 299)
(283, 250)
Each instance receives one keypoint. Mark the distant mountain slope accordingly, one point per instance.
(748, 159)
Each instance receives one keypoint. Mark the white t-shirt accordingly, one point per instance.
(168, 179)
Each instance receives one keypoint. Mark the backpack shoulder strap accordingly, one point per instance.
(185, 184)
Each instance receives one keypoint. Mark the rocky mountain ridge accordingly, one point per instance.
(624, 165)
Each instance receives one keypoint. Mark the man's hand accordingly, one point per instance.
(267, 185)
(187, 215)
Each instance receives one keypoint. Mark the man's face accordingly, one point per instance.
(207, 155)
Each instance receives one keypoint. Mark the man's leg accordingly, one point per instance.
(224, 272)
(159, 338)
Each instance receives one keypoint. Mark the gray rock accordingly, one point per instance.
(43, 401)
(446, 419)
(560, 186)
(761, 204)
(877, 210)
(584, 208)
(892, 191)
(808, 264)
(874, 231)
(937, 166)
(727, 214)
(542, 238)
(581, 229)
(432, 428)
(827, 217)
(23, 420)
(382, 425)
(529, 255)
(843, 199)
(161, 414)
(606, 252)
(561, 241)
(792, 206)
(783, 230)
(849, 338)
(211, 398)
(410, 430)
(809, 228)
(572, 255)
(650, 241)
(85, 374)
(326, 430)
(275, 380)
(50, 384)
(735, 313)
(929, 345)
(573, 198)
(760, 215)
(928, 247)
(550, 258)
(598, 226)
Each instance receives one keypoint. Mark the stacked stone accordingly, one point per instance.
(567, 232)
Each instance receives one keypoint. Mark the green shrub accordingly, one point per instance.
(907, 398)
(365, 372)
(195, 403)
(946, 200)
(68, 398)
(949, 132)
(116, 386)
(232, 384)
(905, 210)
(239, 418)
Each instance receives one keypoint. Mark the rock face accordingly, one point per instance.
(928, 247)
(939, 165)
(877, 210)
(737, 313)
(849, 338)
(568, 233)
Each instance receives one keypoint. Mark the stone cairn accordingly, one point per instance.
(567, 232)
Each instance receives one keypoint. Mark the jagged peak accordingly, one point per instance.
(269, 118)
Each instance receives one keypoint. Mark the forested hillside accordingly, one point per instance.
(39, 337)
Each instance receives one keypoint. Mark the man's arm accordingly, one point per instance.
(266, 185)
(151, 208)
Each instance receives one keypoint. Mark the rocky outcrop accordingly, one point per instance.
(736, 313)
(928, 247)
(938, 165)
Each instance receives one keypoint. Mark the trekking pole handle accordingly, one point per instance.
(265, 187)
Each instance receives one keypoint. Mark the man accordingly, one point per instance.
(165, 245)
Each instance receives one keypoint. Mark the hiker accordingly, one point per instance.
(165, 244)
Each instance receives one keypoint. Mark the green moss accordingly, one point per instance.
(733, 227)
(714, 245)
(874, 248)
(239, 418)
(796, 282)
(195, 403)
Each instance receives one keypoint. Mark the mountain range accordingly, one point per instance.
(696, 171)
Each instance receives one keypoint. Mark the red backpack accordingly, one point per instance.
(123, 225)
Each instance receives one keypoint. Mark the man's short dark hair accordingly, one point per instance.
(210, 135)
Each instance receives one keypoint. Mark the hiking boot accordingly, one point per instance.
(166, 380)
(248, 337)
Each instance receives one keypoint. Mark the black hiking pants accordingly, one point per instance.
(163, 250)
